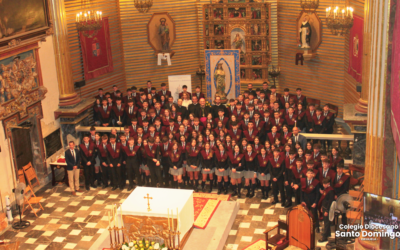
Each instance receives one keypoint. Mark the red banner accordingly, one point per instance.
(395, 81)
(356, 48)
(96, 52)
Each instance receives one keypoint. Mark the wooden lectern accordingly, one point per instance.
(300, 233)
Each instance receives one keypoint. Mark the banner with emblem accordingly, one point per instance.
(395, 81)
(96, 52)
(356, 48)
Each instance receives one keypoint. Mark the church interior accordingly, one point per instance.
(200, 124)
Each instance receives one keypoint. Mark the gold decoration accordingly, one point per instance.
(339, 18)
(309, 5)
(143, 6)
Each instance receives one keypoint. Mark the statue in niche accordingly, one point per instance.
(163, 32)
(305, 33)
(238, 42)
(219, 77)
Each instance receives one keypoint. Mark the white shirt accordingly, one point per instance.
(186, 103)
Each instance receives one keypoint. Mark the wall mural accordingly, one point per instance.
(20, 80)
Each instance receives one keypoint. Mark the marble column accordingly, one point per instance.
(68, 96)
(362, 105)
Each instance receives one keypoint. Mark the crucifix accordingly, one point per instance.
(148, 202)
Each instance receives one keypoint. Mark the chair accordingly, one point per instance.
(30, 174)
(21, 176)
(277, 237)
(30, 199)
(316, 102)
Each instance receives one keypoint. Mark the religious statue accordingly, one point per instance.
(305, 33)
(238, 42)
(163, 32)
(219, 77)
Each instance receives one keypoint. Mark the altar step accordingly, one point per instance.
(214, 236)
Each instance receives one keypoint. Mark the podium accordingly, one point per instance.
(152, 225)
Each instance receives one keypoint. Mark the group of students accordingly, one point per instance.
(255, 139)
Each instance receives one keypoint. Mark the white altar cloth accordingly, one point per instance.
(162, 199)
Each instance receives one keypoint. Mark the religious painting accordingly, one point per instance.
(23, 19)
(219, 13)
(267, 29)
(255, 29)
(242, 59)
(161, 33)
(237, 12)
(255, 13)
(20, 80)
(236, 1)
(257, 74)
(219, 44)
(206, 15)
(222, 74)
(256, 60)
(238, 40)
(207, 44)
(256, 45)
(219, 29)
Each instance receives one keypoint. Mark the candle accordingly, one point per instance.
(85, 17)
(101, 15)
(109, 220)
(177, 219)
(115, 215)
(343, 14)
(120, 210)
(169, 225)
(172, 219)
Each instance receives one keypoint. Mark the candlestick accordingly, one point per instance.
(115, 215)
(109, 221)
(169, 225)
(172, 220)
(120, 210)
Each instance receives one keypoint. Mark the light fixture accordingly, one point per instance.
(339, 18)
(143, 6)
(88, 21)
(309, 6)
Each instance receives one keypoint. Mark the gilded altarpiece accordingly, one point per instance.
(243, 25)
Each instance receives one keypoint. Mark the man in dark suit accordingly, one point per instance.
(115, 159)
(182, 109)
(87, 154)
(265, 89)
(194, 108)
(250, 89)
(153, 156)
(217, 106)
(72, 158)
(164, 91)
(297, 137)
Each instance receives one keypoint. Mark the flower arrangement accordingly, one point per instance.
(208, 104)
(143, 245)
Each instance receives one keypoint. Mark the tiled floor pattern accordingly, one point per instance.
(75, 222)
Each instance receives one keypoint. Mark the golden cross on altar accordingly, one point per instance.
(148, 202)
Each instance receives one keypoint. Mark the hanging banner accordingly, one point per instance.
(356, 49)
(395, 81)
(96, 52)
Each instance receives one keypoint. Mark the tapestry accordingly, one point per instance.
(395, 81)
(222, 74)
(356, 49)
(96, 52)
(205, 206)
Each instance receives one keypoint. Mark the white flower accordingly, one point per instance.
(165, 248)
(124, 247)
(131, 244)
(156, 246)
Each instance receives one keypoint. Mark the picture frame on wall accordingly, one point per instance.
(23, 22)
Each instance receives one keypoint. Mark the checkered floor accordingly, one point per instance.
(75, 222)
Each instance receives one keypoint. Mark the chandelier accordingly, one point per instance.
(309, 6)
(143, 6)
(88, 21)
(339, 18)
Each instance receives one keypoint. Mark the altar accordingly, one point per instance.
(145, 212)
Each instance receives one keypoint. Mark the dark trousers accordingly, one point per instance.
(123, 174)
(165, 169)
(327, 227)
(289, 193)
(314, 212)
(277, 187)
(88, 171)
(132, 169)
(155, 173)
(116, 172)
(297, 195)
(108, 175)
